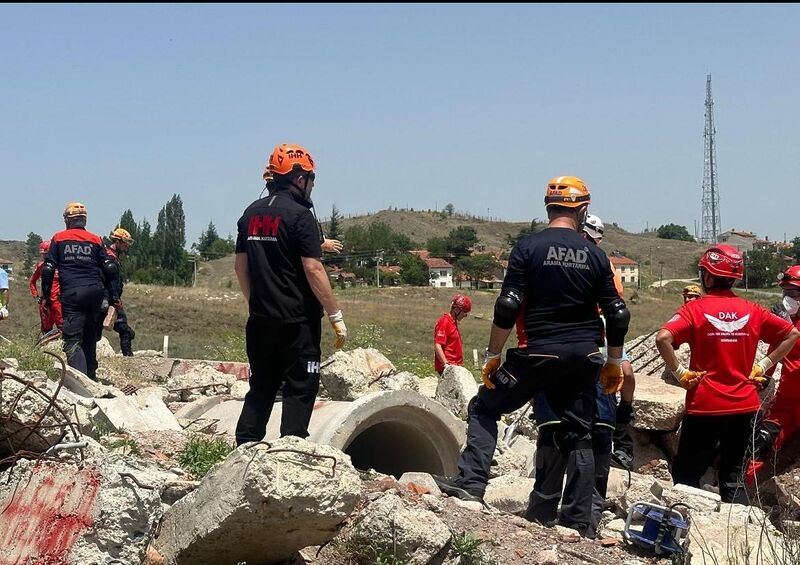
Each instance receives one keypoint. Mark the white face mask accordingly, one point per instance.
(791, 305)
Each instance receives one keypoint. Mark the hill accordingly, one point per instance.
(420, 226)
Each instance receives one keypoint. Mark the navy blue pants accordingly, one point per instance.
(82, 309)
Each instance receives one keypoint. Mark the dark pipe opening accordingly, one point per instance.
(395, 448)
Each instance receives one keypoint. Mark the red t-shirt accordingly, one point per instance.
(790, 373)
(723, 332)
(447, 335)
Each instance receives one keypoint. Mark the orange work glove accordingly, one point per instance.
(491, 362)
(758, 374)
(611, 377)
(688, 379)
(337, 322)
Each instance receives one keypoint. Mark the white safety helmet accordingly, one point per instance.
(593, 227)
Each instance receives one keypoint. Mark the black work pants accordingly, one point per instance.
(280, 354)
(705, 437)
(81, 308)
(601, 448)
(126, 333)
(566, 374)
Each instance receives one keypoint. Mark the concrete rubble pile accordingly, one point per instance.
(268, 501)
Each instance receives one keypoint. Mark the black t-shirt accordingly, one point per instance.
(276, 232)
(563, 279)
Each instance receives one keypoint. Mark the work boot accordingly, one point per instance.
(451, 487)
(622, 456)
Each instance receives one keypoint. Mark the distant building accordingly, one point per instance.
(440, 272)
(628, 269)
(7, 266)
(742, 240)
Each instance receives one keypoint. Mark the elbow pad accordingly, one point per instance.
(506, 308)
(111, 274)
(617, 319)
(48, 274)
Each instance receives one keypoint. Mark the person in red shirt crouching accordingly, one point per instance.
(447, 346)
(783, 415)
(722, 380)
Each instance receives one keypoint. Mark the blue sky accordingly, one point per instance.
(418, 106)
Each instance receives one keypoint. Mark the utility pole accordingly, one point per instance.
(661, 275)
(710, 215)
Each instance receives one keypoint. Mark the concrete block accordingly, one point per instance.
(135, 414)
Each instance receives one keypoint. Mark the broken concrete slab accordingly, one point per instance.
(735, 537)
(423, 480)
(104, 348)
(240, 371)
(239, 390)
(201, 380)
(524, 446)
(347, 375)
(509, 493)
(622, 494)
(262, 504)
(158, 391)
(79, 383)
(196, 408)
(57, 512)
(698, 500)
(456, 388)
(134, 414)
(427, 387)
(415, 535)
(506, 461)
(396, 381)
(28, 421)
(658, 405)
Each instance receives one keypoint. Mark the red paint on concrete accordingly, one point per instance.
(41, 520)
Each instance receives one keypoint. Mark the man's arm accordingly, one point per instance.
(320, 284)
(784, 347)
(243, 275)
(664, 341)
(439, 352)
(37, 272)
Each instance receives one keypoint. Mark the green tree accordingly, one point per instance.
(169, 241)
(31, 253)
(414, 271)
(335, 225)
(436, 246)
(535, 227)
(795, 252)
(450, 209)
(477, 267)
(762, 267)
(460, 240)
(674, 231)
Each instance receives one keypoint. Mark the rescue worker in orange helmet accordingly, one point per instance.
(448, 348)
(553, 285)
(783, 414)
(286, 288)
(86, 273)
(723, 377)
(121, 242)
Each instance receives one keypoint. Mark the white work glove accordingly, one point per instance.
(688, 379)
(758, 374)
(337, 322)
(3, 313)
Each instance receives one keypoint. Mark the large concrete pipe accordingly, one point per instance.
(392, 432)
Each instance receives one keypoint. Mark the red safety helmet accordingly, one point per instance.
(44, 246)
(461, 302)
(790, 277)
(723, 261)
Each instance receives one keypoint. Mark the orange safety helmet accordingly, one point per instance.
(790, 277)
(288, 157)
(74, 210)
(121, 234)
(692, 290)
(44, 246)
(571, 192)
(462, 303)
(723, 261)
